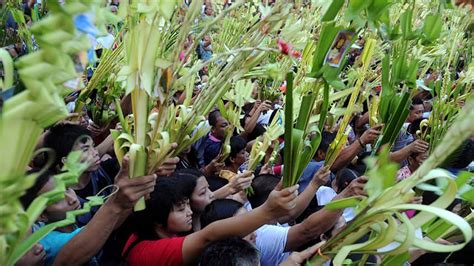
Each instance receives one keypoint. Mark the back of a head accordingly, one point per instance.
(62, 137)
(326, 139)
(262, 186)
(219, 209)
(230, 252)
(344, 177)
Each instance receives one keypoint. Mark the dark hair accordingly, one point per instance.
(212, 118)
(230, 252)
(344, 177)
(33, 191)
(166, 195)
(414, 126)
(187, 180)
(326, 139)
(262, 185)
(219, 209)
(237, 144)
(61, 139)
(415, 101)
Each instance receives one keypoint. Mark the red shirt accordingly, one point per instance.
(167, 251)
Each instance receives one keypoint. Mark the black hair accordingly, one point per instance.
(415, 101)
(237, 144)
(187, 180)
(344, 177)
(326, 139)
(262, 186)
(33, 191)
(414, 126)
(166, 195)
(212, 118)
(230, 252)
(219, 209)
(61, 139)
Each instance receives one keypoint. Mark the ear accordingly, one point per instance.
(43, 218)
(63, 160)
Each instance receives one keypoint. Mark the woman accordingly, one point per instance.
(196, 188)
(168, 214)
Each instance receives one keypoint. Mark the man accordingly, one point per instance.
(208, 147)
(405, 144)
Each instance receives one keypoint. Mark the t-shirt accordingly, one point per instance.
(271, 242)
(212, 148)
(403, 139)
(325, 195)
(308, 174)
(101, 178)
(54, 241)
(167, 251)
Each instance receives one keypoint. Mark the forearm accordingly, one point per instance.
(400, 155)
(302, 202)
(251, 123)
(106, 146)
(346, 156)
(87, 243)
(223, 192)
(315, 225)
(240, 225)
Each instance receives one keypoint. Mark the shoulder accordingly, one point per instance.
(166, 251)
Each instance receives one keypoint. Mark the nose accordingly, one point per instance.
(189, 212)
(71, 196)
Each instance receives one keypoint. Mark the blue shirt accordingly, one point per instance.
(308, 174)
(54, 241)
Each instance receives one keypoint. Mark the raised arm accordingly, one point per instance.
(278, 204)
(322, 220)
(87, 243)
(320, 178)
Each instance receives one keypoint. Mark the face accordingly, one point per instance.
(180, 218)
(252, 237)
(35, 256)
(418, 160)
(241, 157)
(416, 112)
(219, 130)
(202, 195)
(57, 211)
(90, 155)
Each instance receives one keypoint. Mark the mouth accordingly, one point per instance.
(78, 207)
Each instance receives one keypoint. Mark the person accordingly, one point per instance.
(168, 214)
(72, 244)
(406, 144)
(238, 154)
(35, 256)
(274, 241)
(64, 138)
(196, 188)
(414, 161)
(230, 252)
(208, 147)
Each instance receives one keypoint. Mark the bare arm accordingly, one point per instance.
(320, 178)
(278, 204)
(322, 220)
(87, 243)
(349, 153)
(106, 146)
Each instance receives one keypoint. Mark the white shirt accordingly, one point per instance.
(324, 195)
(271, 242)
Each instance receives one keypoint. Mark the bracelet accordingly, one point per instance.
(360, 143)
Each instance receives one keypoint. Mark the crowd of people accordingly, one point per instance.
(198, 208)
